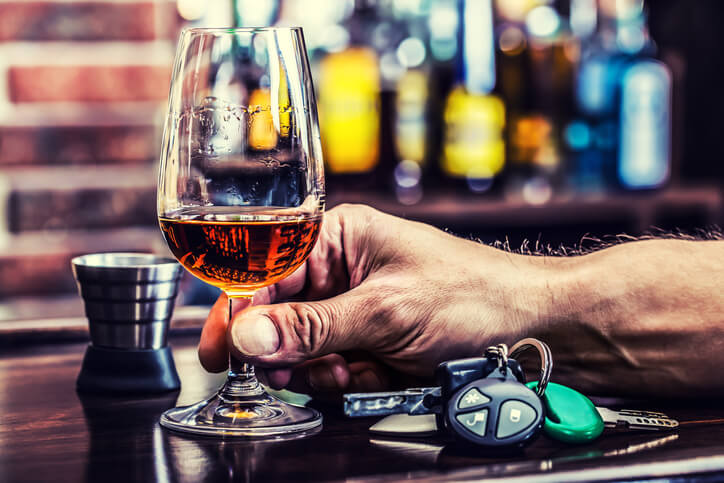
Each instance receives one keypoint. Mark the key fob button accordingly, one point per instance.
(472, 398)
(514, 417)
(475, 422)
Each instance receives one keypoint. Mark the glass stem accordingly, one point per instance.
(241, 380)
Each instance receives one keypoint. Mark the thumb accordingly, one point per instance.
(290, 333)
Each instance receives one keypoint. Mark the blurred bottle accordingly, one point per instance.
(410, 121)
(403, 41)
(349, 98)
(536, 69)
(419, 125)
(349, 105)
(644, 157)
(591, 137)
(622, 137)
(473, 149)
(644, 151)
(253, 13)
(411, 134)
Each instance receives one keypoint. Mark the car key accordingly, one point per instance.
(484, 406)
(634, 419)
(415, 401)
(570, 417)
(450, 375)
(573, 418)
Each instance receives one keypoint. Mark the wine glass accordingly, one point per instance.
(241, 194)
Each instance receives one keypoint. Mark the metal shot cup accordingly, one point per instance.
(128, 297)
(129, 301)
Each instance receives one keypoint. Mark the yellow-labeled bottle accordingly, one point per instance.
(473, 145)
(410, 122)
(349, 110)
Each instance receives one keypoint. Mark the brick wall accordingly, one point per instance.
(83, 87)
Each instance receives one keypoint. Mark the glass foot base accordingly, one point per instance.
(259, 416)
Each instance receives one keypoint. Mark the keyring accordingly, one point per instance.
(500, 352)
(546, 359)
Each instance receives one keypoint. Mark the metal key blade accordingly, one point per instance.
(635, 419)
(422, 400)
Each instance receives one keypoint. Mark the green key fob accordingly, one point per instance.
(570, 416)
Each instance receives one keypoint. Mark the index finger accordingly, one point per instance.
(213, 354)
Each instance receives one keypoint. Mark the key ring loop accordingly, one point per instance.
(503, 354)
(546, 359)
(500, 352)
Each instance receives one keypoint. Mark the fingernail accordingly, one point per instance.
(256, 336)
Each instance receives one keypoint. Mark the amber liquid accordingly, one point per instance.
(240, 252)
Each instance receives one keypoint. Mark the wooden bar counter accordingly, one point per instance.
(48, 432)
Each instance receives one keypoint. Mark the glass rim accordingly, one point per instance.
(235, 30)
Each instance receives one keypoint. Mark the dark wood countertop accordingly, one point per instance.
(50, 433)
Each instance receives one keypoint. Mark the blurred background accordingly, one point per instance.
(538, 122)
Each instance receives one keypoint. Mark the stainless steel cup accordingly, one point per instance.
(129, 298)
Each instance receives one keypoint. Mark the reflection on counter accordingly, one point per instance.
(109, 434)
(449, 455)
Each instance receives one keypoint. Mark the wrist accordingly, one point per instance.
(582, 302)
(545, 289)
(522, 293)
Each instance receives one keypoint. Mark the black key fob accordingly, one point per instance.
(452, 375)
(496, 411)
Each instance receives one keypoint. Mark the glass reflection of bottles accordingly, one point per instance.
(349, 106)
(473, 150)
(262, 133)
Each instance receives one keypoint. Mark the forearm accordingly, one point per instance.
(639, 319)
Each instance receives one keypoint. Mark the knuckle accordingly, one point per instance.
(395, 317)
(272, 293)
(310, 326)
(355, 210)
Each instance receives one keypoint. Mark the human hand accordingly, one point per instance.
(379, 301)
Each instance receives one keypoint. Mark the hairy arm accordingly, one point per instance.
(382, 300)
(640, 319)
